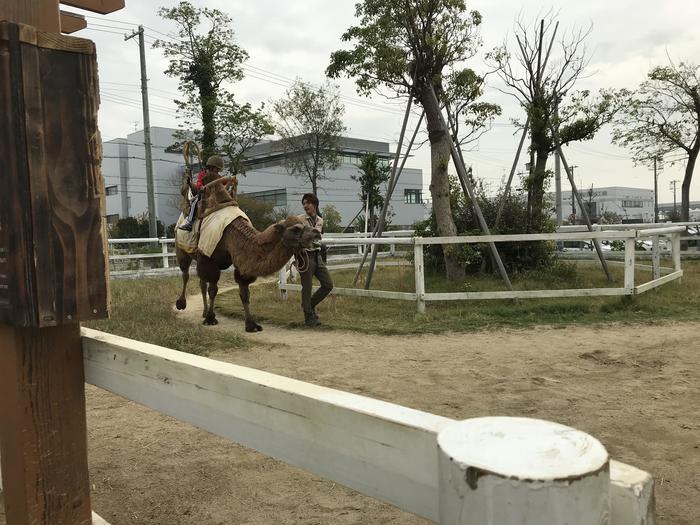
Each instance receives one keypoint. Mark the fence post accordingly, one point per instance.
(676, 251)
(419, 274)
(655, 258)
(629, 266)
(504, 470)
(164, 246)
(283, 282)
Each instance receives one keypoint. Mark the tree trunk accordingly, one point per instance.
(537, 182)
(685, 187)
(440, 187)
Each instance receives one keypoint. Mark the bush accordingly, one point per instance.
(134, 228)
(516, 256)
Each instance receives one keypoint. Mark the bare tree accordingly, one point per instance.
(541, 73)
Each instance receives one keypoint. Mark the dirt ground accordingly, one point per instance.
(635, 388)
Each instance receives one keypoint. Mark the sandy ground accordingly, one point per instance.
(635, 388)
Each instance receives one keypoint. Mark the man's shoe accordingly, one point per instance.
(186, 226)
(310, 320)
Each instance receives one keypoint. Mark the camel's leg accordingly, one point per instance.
(244, 292)
(203, 288)
(184, 260)
(210, 317)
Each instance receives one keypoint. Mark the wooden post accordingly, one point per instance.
(655, 258)
(419, 275)
(53, 263)
(629, 266)
(503, 470)
(283, 282)
(164, 250)
(676, 251)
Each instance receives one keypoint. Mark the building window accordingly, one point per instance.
(111, 190)
(632, 204)
(412, 197)
(274, 197)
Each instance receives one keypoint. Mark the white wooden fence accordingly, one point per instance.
(628, 236)
(485, 470)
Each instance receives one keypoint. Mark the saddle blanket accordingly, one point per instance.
(206, 233)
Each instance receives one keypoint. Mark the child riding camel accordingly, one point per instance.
(214, 166)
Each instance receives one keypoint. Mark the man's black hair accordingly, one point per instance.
(311, 198)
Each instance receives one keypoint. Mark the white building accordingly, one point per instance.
(632, 204)
(124, 171)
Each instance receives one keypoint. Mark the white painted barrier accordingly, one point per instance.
(420, 296)
(383, 450)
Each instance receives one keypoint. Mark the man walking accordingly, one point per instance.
(316, 266)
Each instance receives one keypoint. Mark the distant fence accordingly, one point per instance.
(627, 236)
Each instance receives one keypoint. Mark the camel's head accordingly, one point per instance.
(297, 234)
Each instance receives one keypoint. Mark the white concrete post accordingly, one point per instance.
(164, 250)
(629, 266)
(676, 251)
(419, 275)
(655, 258)
(504, 470)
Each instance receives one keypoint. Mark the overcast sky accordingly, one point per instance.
(290, 39)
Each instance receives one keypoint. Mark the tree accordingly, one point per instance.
(205, 60)
(240, 129)
(310, 124)
(663, 117)
(413, 48)
(541, 83)
(373, 173)
(331, 219)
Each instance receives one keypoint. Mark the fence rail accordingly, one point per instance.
(383, 450)
(629, 237)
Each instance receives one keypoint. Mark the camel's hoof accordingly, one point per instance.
(181, 304)
(210, 321)
(252, 326)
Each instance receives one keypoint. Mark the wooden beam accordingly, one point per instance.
(42, 14)
(103, 7)
(43, 435)
(70, 22)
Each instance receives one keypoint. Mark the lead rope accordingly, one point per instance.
(302, 260)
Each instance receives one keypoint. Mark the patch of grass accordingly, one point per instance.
(673, 301)
(143, 310)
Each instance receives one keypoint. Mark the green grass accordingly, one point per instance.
(673, 301)
(143, 310)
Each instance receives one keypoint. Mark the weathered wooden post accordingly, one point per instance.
(53, 259)
(418, 266)
(630, 246)
(503, 470)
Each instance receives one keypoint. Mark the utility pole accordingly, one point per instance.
(557, 176)
(673, 187)
(152, 226)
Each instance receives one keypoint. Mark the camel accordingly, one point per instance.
(253, 254)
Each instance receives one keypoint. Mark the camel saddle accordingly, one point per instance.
(216, 210)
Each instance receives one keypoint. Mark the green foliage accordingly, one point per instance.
(260, 213)
(331, 219)
(205, 58)
(610, 217)
(310, 122)
(662, 117)
(374, 172)
(516, 256)
(134, 228)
